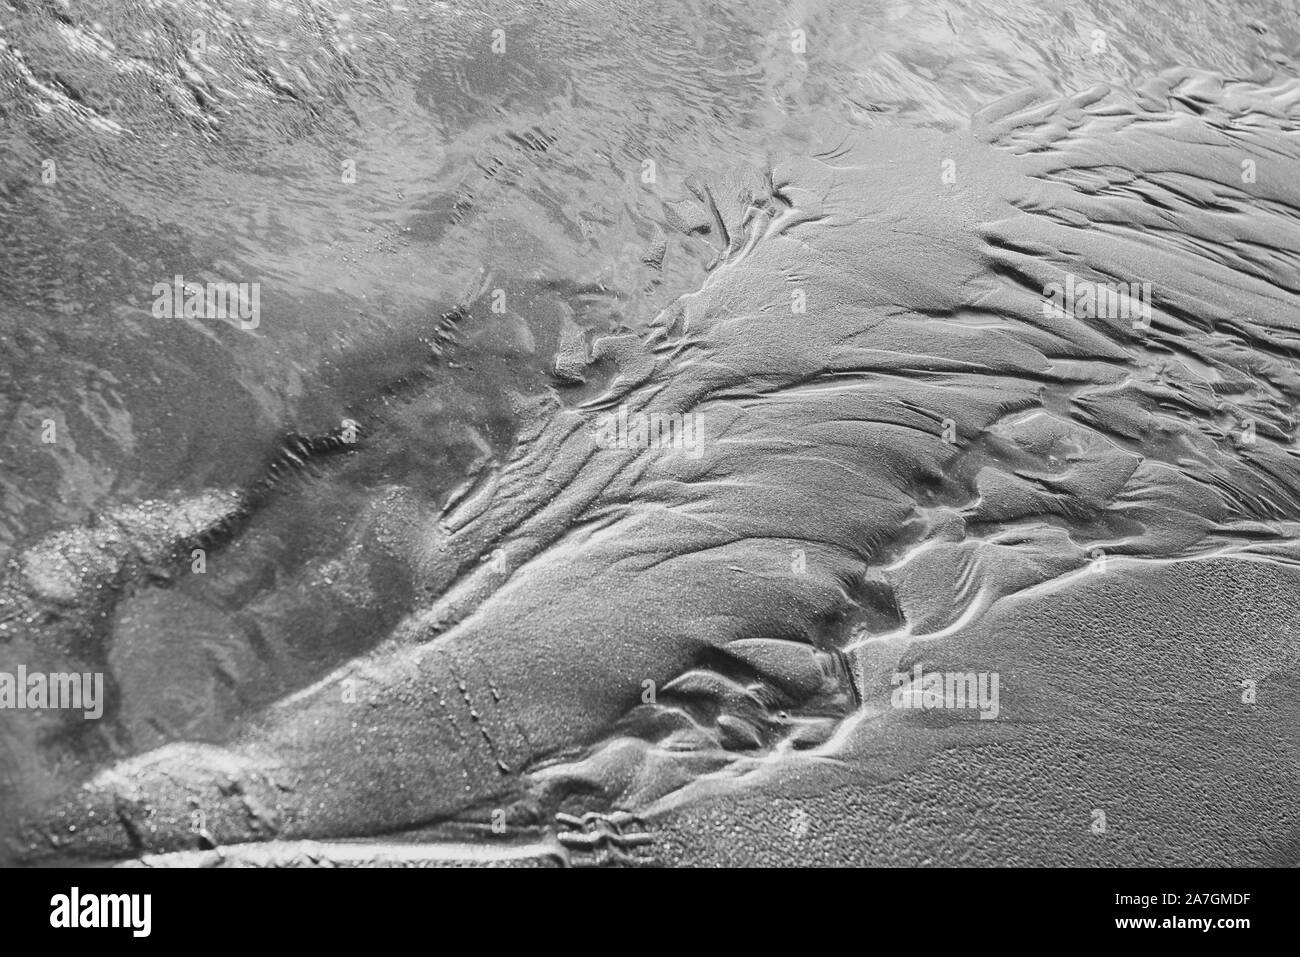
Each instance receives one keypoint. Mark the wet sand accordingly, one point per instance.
(657, 606)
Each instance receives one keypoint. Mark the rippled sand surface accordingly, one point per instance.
(642, 404)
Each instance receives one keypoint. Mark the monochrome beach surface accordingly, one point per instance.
(678, 433)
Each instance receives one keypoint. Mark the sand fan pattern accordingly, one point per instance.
(920, 443)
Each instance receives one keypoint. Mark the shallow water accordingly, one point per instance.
(475, 170)
(435, 211)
